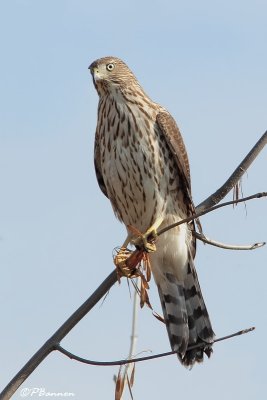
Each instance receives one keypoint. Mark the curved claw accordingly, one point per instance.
(146, 241)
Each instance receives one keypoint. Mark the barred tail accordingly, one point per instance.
(186, 316)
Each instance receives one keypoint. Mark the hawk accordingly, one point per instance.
(142, 167)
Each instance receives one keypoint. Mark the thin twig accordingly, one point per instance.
(215, 243)
(208, 210)
(128, 368)
(217, 196)
(140, 359)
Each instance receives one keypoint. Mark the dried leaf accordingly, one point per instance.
(119, 387)
(144, 299)
(148, 269)
(159, 317)
(129, 387)
(132, 376)
(144, 283)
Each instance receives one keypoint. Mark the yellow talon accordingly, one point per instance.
(146, 241)
(127, 261)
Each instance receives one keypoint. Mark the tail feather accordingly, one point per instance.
(175, 312)
(186, 316)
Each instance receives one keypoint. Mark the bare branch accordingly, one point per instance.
(212, 242)
(208, 210)
(52, 343)
(217, 196)
(140, 359)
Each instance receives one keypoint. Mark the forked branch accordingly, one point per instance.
(152, 357)
(53, 342)
(208, 210)
(212, 242)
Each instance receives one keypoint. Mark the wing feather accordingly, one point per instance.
(176, 145)
(98, 169)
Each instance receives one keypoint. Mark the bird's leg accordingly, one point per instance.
(146, 241)
(127, 241)
(127, 261)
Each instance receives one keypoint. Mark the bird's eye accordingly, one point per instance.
(110, 67)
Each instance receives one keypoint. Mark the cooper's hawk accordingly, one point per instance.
(142, 167)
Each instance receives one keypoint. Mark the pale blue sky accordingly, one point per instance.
(204, 61)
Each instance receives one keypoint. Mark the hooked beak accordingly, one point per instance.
(95, 72)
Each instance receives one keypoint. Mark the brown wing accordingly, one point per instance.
(176, 145)
(98, 170)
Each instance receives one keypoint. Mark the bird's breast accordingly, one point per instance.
(134, 163)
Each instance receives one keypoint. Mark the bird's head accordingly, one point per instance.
(111, 73)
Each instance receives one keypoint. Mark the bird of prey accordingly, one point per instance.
(142, 167)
